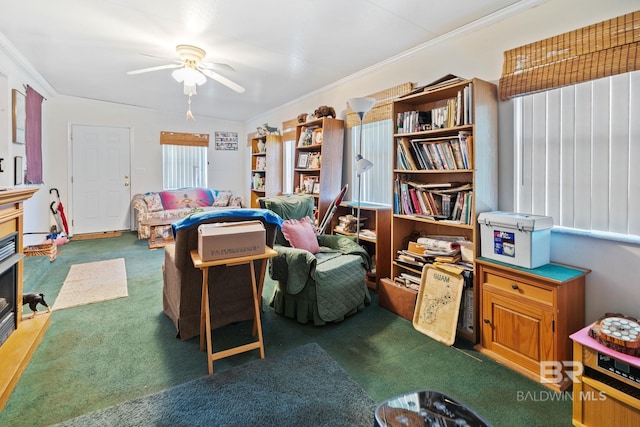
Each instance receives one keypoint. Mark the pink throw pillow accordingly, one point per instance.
(301, 234)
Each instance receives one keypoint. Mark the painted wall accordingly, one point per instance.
(475, 51)
(478, 52)
(146, 159)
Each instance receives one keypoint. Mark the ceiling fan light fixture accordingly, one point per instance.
(189, 76)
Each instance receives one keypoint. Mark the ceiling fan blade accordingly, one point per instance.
(216, 66)
(161, 67)
(225, 81)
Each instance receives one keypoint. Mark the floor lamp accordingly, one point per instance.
(361, 106)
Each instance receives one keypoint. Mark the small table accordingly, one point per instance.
(205, 319)
(155, 223)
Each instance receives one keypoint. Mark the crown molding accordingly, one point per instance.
(24, 65)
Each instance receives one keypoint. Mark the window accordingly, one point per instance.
(577, 156)
(183, 166)
(376, 182)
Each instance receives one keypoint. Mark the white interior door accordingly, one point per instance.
(100, 185)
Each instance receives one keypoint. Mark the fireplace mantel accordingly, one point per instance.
(17, 350)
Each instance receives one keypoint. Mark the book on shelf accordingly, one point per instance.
(433, 153)
(456, 112)
(450, 201)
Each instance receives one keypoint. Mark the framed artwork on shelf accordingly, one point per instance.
(316, 188)
(19, 116)
(317, 136)
(314, 160)
(303, 160)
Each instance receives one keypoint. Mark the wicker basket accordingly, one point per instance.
(49, 249)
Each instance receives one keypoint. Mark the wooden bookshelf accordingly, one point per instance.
(266, 164)
(425, 118)
(377, 218)
(326, 143)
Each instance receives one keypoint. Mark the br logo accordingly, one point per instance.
(554, 372)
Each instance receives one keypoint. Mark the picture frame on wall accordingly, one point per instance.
(19, 116)
(18, 172)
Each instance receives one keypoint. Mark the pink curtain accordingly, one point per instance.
(33, 137)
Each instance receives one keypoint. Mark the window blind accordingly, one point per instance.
(383, 107)
(183, 166)
(577, 155)
(600, 50)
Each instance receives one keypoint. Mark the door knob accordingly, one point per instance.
(486, 321)
(514, 286)
(126, 184)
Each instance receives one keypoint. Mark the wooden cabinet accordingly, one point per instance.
(266, 166)
(375, 237)
(528, 314)
(470, 113)
(318, 161)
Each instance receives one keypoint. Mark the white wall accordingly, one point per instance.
(146, 175)
(473, 52)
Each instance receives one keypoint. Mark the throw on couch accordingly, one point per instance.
(323, 285)
(178, 204)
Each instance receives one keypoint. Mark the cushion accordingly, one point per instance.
(301, 234)
(235, 201)
(222, 199)
(154, 204)
(186, 198)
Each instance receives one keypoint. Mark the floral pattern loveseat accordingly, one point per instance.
(178, 204)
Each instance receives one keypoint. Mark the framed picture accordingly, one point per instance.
(314, 160)
(18, 172)
(316, 188)
(226, 141)
(303, 160)
(19, 116)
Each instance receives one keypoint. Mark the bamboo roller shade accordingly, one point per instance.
(178, 138)
(599, 50)
(383, 108)
(289, 129)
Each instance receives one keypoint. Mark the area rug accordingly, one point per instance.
(93, 282)
(303, 387)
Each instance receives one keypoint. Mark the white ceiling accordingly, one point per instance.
(280, 49)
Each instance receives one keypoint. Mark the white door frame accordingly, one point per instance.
(69, 209)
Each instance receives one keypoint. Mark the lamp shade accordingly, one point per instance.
(362, 165)
(361, 105)
(189, 76)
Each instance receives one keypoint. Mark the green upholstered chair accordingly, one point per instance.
(323, 287)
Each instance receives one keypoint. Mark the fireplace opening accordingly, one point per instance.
(9, 258)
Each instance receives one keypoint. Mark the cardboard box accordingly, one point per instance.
(514, 238)
(231, 240)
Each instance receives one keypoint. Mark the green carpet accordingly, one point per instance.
(302, 387)
(96, 356)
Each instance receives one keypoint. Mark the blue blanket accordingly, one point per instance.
(268, 216)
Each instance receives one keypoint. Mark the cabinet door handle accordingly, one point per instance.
(514, 286)
(486, 321)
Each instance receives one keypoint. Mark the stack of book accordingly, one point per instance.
(349, 224)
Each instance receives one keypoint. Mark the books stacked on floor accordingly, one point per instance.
(429, 250)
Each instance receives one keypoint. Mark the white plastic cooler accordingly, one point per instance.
(516, 238)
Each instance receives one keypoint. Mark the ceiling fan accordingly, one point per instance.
(191, 70)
